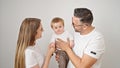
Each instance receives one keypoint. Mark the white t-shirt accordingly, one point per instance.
(91, 44)
(62, 36)
(33, 56)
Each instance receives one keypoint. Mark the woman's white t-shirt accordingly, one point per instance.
(33, 56)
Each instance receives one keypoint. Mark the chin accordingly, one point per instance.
(59, 33)
(39, 37)
(77, 31)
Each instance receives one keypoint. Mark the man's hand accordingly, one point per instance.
(62, 44)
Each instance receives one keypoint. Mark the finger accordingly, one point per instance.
(57, 57)
(58, 46)
(68, 40)
(60, 40)
(52, 50)
(52, 45)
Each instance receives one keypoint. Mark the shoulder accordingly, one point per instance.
(32, 49)
(29, 51)
(96, 34)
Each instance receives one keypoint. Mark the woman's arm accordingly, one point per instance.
(49, 53)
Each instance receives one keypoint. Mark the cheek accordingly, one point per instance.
(62, 28)
(55, 29)
(78, 28)
(39, 34)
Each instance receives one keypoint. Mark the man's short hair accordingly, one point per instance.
(84, 14)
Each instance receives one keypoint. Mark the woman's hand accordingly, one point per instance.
(51, 49)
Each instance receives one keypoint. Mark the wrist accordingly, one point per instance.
(67, 49)
(50, 54)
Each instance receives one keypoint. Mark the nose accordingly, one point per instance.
(75, 27)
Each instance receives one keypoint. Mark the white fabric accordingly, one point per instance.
(33, 56)
(62, 36)
(91, 44)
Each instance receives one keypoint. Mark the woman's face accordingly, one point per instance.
(39, 32)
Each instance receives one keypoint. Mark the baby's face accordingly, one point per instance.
(58, 28)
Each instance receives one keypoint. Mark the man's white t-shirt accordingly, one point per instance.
(91, 44)
(33, 56)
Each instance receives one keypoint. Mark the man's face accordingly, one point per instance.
(78, 26)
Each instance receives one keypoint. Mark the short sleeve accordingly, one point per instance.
(30, 59)
(96, 47)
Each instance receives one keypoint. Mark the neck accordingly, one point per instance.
(87, 30)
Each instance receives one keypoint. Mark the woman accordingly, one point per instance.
(27, 53)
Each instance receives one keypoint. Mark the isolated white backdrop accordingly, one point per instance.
(12, 12)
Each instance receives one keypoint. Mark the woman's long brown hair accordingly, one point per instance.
(26, 37)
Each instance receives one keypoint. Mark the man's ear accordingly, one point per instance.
(85, 26)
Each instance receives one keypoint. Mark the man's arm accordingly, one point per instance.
(85, 62)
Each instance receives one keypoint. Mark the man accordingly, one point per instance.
(89, 43)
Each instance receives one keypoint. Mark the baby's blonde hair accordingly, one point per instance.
(57, 20)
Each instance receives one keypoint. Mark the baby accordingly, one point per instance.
(57, 24)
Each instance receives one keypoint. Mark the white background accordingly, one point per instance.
(12, 12)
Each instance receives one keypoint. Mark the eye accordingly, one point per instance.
(60, 26)
(55, 27)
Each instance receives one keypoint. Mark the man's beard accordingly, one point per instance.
(76, 30)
